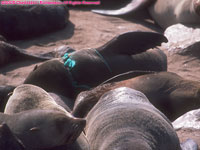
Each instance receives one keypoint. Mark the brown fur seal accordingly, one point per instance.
(167, 91)
(29, 20)
(42, 76)
(165, 13)
(124, 119)
(43, 129)
(30, 97)
(128, 51)
(11, 54)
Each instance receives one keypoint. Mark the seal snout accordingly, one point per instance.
(78, 126)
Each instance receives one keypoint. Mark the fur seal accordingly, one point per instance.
(11, 54)
(128, 51)
(43, 129)
(42, 76)
(165, 13)
(167, 91)
(124, 119)
(8, 141)
(25, 20)
(27, 96)
(30, 97)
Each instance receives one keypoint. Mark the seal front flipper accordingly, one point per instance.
(189, 144)
(131, 43)
(131, 7)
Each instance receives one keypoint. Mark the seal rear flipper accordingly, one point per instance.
(189, 144)
(131, 43)
(132, 7)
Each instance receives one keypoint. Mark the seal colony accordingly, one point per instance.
(163, 12)
(122, 118)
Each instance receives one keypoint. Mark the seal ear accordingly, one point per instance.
(132, 7)
(131, 43)
(189, 144)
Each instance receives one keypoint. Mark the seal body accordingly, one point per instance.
(125, 52)
(39, 129)
(25, 21)
(27, 98)
(167, 91)
(125, 119)
(83, 72)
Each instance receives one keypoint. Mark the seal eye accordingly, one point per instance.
(10, 94)
(35, 129)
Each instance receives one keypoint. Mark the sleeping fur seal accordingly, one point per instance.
(128, 51)
(165, 13)
(43, 129)
(11, 54)
(21, 21)
(124, 119)
(29, 97)
(167, 91)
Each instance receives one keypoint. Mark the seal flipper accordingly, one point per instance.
(132, 7)
(189, 144)
(131, 43)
